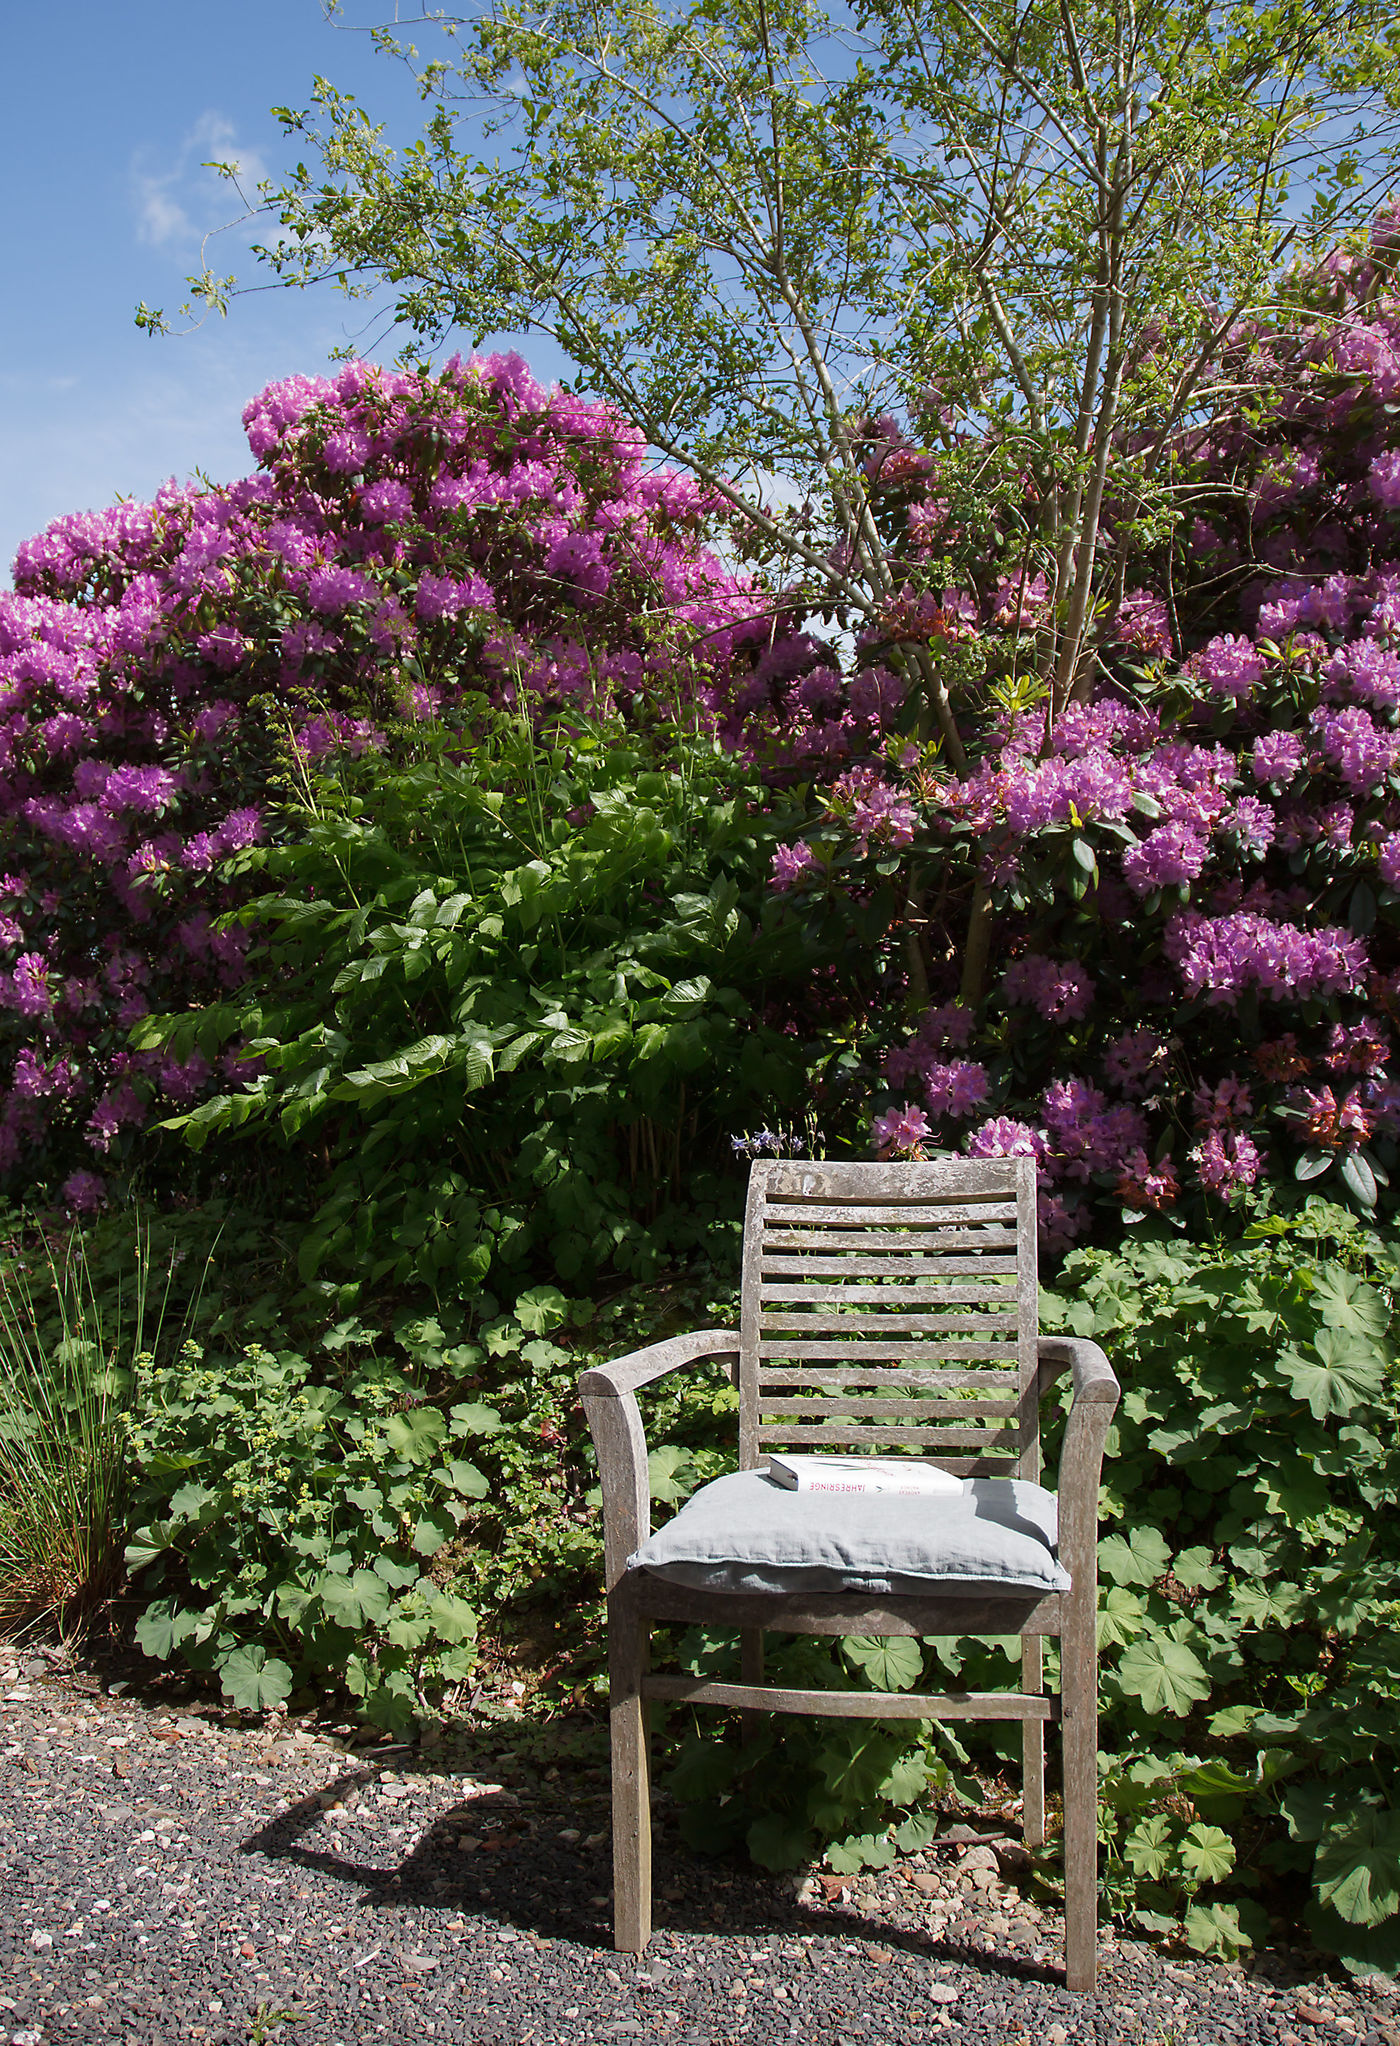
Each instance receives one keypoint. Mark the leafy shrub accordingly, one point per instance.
(518, 989)
(343, 1518)
(859, 1791)
(1251, 1577)
(298, 1517)
(1151, 933)
(1249, 1598)
(406, 537)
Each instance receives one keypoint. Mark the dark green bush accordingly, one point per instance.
(514, 993)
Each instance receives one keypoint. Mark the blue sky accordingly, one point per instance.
(107, 109)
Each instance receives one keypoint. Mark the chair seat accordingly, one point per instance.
(744, 1533)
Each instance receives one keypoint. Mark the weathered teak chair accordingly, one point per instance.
(881, 1305)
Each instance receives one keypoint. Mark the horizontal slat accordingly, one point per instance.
(897, 1374)
(851, 1213)
(775, 1318)
(855, 1704)
(841, 1404)
(882, 1242)
(856, 1431)
(935, 1270)
(795, 1346)
(957, 1294)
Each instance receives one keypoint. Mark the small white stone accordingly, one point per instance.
(40, 1941)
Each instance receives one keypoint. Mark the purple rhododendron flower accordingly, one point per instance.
(902, 1132)
(1228, 665)
(790, 864)
(955, 1089)
(387, 502)
(1221, 957)
(1134, 1057)
(1227, 1161)
(1167, 856)
(1142, 623)
(1004, 1137)
(1059, 988)
(84, 1192)
(333, 590)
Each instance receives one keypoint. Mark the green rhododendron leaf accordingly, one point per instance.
(1162, 1675)
(1358, 1865)
(416, 1435)
(890, 1664)
(253, 1680)
(1341, 1373)
(1206, 1853)
(1139, 1557)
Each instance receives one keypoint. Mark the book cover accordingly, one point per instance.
(901, 1475)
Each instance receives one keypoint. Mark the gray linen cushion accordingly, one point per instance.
(745, 1533)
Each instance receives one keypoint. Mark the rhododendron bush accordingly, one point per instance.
(1190, 884)
(169, 673)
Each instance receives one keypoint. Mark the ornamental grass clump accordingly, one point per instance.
(68, 1347)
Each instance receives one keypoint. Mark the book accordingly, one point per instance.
(902, 1476)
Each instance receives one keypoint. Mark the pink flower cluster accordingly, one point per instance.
(509, 539)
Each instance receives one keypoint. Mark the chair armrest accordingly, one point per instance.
(609, 1399)
(1091, 1373)
(1092, 1403)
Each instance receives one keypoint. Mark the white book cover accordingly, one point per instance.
(900, 1475)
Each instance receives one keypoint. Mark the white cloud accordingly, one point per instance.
(180, 200)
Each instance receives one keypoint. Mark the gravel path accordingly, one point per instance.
(186, 1878)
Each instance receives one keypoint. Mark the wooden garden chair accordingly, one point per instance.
(882, 1304)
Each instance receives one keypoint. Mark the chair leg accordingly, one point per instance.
(1033, 1745)
(1079, 1699)
(751, 1672)
(631, 1783)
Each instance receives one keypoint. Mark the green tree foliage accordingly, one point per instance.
(1021, 226)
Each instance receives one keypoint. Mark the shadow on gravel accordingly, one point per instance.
(519, 1872)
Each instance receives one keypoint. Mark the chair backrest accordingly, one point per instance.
(892, 1305)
